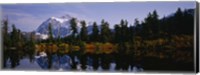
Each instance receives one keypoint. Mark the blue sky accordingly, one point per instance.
(27, 17)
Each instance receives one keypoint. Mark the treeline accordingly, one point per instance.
(168, 42)
(181, 22)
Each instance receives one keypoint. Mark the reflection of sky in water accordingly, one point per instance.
(40, 63)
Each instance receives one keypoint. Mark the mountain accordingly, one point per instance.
(60, 26)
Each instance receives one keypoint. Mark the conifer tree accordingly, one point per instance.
(83, 33)
(105, 32)
(73, 27)
(50, 32)
(95, 33)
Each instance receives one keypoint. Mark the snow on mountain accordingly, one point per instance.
(60, 26)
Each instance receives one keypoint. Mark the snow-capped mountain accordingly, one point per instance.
(60, 26)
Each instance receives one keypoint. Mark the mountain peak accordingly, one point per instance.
(67, 16)
(60, 26)
(52, 18)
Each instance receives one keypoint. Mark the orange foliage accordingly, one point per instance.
(90, 48)
(107, 48)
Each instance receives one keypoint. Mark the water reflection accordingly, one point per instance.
(65, 62)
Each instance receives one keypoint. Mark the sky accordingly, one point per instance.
(28, 17)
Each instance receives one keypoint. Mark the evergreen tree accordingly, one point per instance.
(117, 33)
(105, 32)
(14, 36)
(131, 33)
(124, 30)
(95, 33)
(73, 26)
(178, 21)
(156, 26)
(137, 27)
(147, 25)
(188, 22)
(50, 32)
(83, 33)
(5, 28)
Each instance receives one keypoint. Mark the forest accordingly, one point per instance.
(165, 44)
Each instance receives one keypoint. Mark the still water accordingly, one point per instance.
(64, 63)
